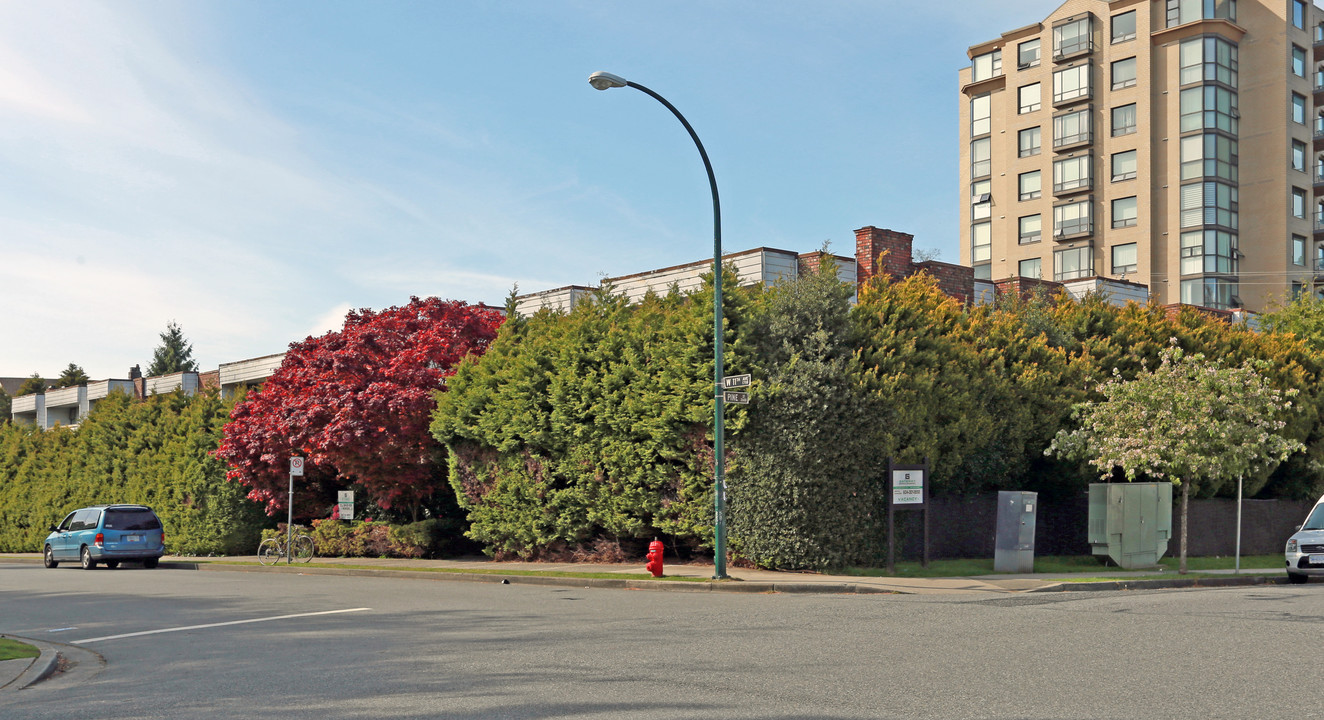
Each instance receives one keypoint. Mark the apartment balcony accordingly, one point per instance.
(1319, 177)
(1074, 49)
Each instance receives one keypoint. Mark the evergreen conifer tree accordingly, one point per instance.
(73, 375)
(34, 384)
(174, 354)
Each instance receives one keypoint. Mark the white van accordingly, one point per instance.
(1305, 549)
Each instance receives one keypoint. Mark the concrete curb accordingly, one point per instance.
(39, 669)
(1163, 584)
(600, 583)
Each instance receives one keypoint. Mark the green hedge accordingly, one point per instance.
(155, 452)
(343, 538)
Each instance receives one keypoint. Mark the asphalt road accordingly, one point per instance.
(428, 649)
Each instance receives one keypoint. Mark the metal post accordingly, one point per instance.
(289, 524)
(1237, 569)
(719, 459)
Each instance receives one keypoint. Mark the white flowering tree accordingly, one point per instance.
(1190, 420)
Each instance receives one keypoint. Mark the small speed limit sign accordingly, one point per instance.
(296, 466)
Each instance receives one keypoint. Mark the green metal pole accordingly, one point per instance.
(719, 452)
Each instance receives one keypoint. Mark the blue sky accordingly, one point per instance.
(252, 170)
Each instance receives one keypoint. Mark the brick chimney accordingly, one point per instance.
(882, 252)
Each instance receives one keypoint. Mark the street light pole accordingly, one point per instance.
(604, 81)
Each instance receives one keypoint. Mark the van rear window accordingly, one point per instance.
(131, 520)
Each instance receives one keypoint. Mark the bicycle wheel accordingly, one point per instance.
(268, 553)
(303, 548)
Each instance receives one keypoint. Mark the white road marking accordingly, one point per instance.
(212, 625)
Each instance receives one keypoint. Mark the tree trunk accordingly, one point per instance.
(1185, 505)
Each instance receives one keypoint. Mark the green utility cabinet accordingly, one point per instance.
(1130, 522)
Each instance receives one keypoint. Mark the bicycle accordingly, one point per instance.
(273, 549)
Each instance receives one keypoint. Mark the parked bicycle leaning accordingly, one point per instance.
(272, 550)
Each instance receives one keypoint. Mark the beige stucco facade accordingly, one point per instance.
(1116, 200)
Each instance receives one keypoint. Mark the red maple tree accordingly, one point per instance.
(356, 405)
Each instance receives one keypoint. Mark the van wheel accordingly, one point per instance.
(48, 558)
(1297, 578)
(88, 562)
(150, 563)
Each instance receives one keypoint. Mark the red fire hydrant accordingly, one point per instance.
(654, 558)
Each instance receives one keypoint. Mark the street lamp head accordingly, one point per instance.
(604, 80)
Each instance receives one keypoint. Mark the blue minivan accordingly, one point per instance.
(107, 534)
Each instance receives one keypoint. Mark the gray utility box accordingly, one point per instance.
(1013, 550)
(1131, 522)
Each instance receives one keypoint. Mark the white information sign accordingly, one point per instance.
(296, 466)
(907, 487)
(345, 503)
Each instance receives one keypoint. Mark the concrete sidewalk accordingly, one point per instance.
(18, 674)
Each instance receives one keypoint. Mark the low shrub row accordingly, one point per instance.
(342, 538)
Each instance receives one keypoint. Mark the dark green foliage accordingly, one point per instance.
(154, 452)
(174, 354)
(34, 384)
(71, 377)
(805, 481)
(589, 425)
(6, 406)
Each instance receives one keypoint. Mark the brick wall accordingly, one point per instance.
(1027, 286)
(882, 252)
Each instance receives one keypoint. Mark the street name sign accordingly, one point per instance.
(732, 396)
(737, 381)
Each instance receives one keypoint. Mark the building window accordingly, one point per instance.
(1124, 120)
(1124, 213)
(1028, 96)
(1030, 185)
(1209, 203)
(1298, 61)
(1073, 173)
(981, 242)
(1298, 250)
(1210, 292)
(1073, 219)
(1073, 38)
(1073, 264)
(1208, 251)
(1027, 54)
(1030, 229)
(981, 201)
(1298, 108)
(1071, 84)
(1299, 14)
(1028, 141)
(1212, 108)
(1124, 26)
(1124, 73)
(1124, 165)
(1298, 155)
(1209, 155)
(1181, 12)
(981, 115)
(1124, 259)
(1032, 268)
(981, 163)
(986, 66)
(1209, 59)
(1298, 203)
(1072, 128)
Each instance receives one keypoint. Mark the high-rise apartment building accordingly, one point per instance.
(1178, 144)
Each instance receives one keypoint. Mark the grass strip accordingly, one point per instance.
(487, 571)
(15, 650)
